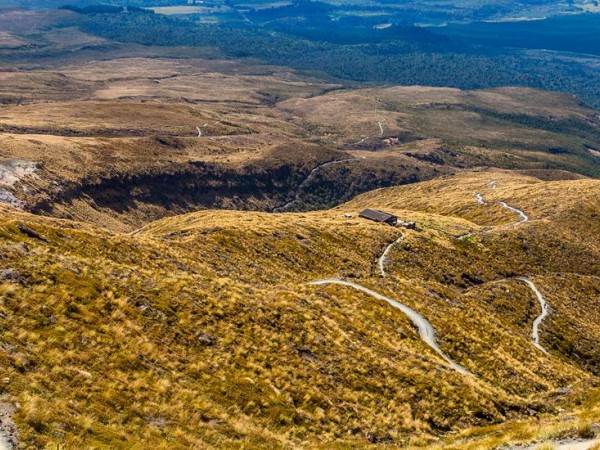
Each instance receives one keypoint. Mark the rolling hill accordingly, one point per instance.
(108, 132)
(121, 147)
(203, 330)
(182, 264)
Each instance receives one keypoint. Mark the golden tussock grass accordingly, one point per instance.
(199, 331)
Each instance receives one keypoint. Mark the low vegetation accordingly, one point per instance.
(200, 330)
(312, 38)
(150, 297)
(110, 129)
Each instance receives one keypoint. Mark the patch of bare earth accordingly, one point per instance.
(9, 433)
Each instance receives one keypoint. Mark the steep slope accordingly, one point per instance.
(202, 330)
(558, 242)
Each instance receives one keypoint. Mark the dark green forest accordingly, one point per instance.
(411, 56)
(576, 33)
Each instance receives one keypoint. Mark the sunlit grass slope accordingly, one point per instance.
(200, 331)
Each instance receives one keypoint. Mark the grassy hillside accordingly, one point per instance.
(121, 149)
(200, 330)
(108, 133)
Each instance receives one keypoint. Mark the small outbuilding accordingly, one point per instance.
(379, 216)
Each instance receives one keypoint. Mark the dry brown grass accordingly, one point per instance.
(100, 123)
(110, 119)
(199, 330)
(442, 113)
(455, 196)
(22, 21)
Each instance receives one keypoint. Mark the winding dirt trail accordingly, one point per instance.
(424, 328)
(307, 180)
(5, 443)
(381, 133)
(382, 259)
(535, 332)
(522, 216)
(8, 430)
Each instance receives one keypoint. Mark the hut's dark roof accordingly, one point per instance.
(378, 216)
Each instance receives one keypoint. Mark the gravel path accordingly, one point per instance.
(522, 216)
(382, 259)
(308, 179)
(535, 333)
(424, 328)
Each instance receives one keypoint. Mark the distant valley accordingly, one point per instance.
(192, 249)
